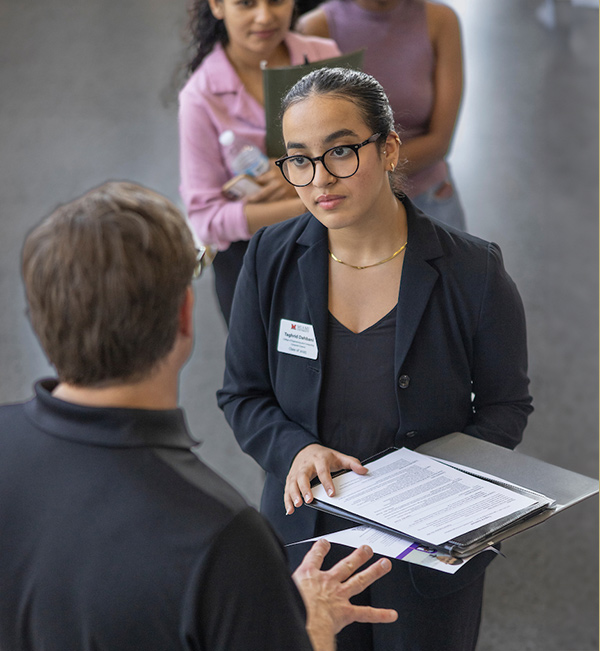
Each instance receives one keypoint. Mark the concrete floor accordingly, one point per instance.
(85, 97)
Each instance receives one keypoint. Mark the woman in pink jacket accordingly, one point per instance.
(232, 40)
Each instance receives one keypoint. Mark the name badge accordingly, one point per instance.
(298, 339)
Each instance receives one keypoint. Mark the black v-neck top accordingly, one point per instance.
(358, 412)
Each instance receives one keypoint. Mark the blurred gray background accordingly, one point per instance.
(86, 96)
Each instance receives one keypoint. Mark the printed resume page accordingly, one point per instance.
(422, 498)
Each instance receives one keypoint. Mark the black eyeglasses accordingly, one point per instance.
(341, 161)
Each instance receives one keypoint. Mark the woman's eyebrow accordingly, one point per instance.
(295, 145)
(340, 133)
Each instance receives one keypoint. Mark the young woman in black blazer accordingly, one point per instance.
(364, 324)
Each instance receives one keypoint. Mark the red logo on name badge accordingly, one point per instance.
(293, 326)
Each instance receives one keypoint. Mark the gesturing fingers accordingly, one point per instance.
(345, 568)
(370, 615)
(357, 583)
(313, 560)
(327, 594)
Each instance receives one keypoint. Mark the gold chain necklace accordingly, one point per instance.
(375, 264)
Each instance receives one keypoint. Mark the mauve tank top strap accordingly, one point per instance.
(400, 56)
(358, 411)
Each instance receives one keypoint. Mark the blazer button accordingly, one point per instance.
(412, 433)
(403, 381)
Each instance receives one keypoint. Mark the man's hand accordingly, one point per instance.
(327, 594)
(315, 461)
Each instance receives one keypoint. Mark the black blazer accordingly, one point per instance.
(460, 330)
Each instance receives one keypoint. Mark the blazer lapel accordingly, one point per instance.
(418, 279)
(314, 275)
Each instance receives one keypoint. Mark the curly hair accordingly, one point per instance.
(205, 31)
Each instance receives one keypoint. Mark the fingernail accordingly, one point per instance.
(330, 492)
(297, 501)
(307, 497)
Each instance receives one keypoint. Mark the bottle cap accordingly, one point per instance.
(227, 138)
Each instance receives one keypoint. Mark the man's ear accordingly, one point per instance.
(186, 313)
(216, 7)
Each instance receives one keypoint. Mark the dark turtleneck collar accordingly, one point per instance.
(107, 426)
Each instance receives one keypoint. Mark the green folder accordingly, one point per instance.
(276, 83)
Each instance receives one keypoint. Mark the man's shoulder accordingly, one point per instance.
(12, 410)
(200, 477)
(13, 416)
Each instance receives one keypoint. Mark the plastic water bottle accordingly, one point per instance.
(243, 157)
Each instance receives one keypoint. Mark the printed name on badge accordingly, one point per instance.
(298, 339)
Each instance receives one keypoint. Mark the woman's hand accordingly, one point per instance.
(315, 461)
(273, 187)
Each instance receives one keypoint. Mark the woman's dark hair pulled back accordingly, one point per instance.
(361, 89)
(357, 87)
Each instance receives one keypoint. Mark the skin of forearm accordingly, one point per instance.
(266, 213)
(420, 152)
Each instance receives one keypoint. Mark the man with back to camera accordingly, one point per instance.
(114, 534)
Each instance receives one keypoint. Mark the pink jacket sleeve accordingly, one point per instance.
(215, 220)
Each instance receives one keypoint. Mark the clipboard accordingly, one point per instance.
(565, 487)
(276, 83)
(553, 489)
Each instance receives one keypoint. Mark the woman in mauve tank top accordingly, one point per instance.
(413, 48)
